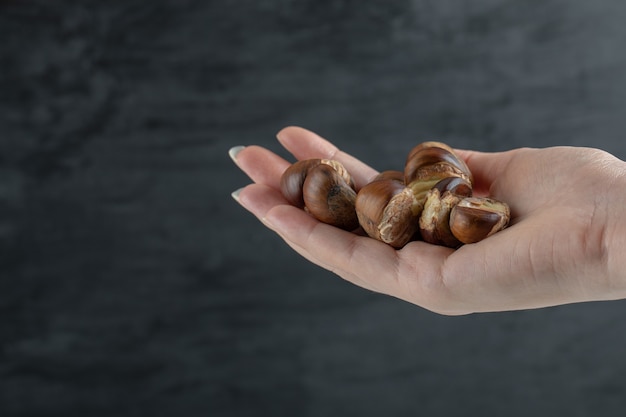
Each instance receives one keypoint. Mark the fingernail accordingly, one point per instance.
(267, 223)
(235, 195)
(234, 151)
(281, 135)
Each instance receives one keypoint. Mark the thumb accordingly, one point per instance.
(486, 167)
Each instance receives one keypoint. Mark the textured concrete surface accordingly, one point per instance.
(132, 285)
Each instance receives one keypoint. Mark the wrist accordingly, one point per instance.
(615, 233)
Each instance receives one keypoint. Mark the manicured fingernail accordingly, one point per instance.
(280, 135)
(235, 195)
(234, 151)
(267, 223)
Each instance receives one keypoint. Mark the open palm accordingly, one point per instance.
(560, 247)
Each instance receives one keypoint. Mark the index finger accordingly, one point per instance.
(412, 273)
(486, 167)
(304, 144)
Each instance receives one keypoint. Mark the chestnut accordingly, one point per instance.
(431, 162)
(435, 218)
(431, 153)
(455, 185)
(292, 180)
(474, 219)
(398, 207)
(385, 209)
(434, 223)
(431, 198)
(323, 188)
(389, 175)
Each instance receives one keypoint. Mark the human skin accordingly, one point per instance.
(566, 241)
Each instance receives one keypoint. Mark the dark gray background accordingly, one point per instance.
(132, 285)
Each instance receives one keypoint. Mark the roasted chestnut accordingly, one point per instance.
(384, 208)
(396, 210)
(324, 188)
(431, 198)
(474, 219)
(434, 223)
(431, 162)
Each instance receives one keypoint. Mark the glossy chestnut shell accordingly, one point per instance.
(474, 219)
(323, 188)
(385, 211)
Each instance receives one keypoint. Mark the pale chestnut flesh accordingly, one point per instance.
(435, 219)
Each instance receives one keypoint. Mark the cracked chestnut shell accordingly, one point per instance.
(474, 219)
(434, 221)
(435, 218)
(323, 188)
(385, 209)
(431, 162)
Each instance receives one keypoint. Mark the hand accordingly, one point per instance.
(565, 242)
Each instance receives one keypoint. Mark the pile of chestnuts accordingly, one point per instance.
(430, 200)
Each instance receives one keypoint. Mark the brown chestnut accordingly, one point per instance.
(385, 211)
(324, 188)
(389, 175)
(292, 180)
(431, 198)
(435, 218)
(431, 162)
(455, 185)
(434, 221)
(474, 219)
(430, 153)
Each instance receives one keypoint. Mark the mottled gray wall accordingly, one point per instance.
(132, 285)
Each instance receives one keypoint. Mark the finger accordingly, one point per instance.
(261, 165)
(350, 277)
(486, 167)
(412, 274)
(515, 177)
(304, 144)
(260, 199)
(358, 259)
